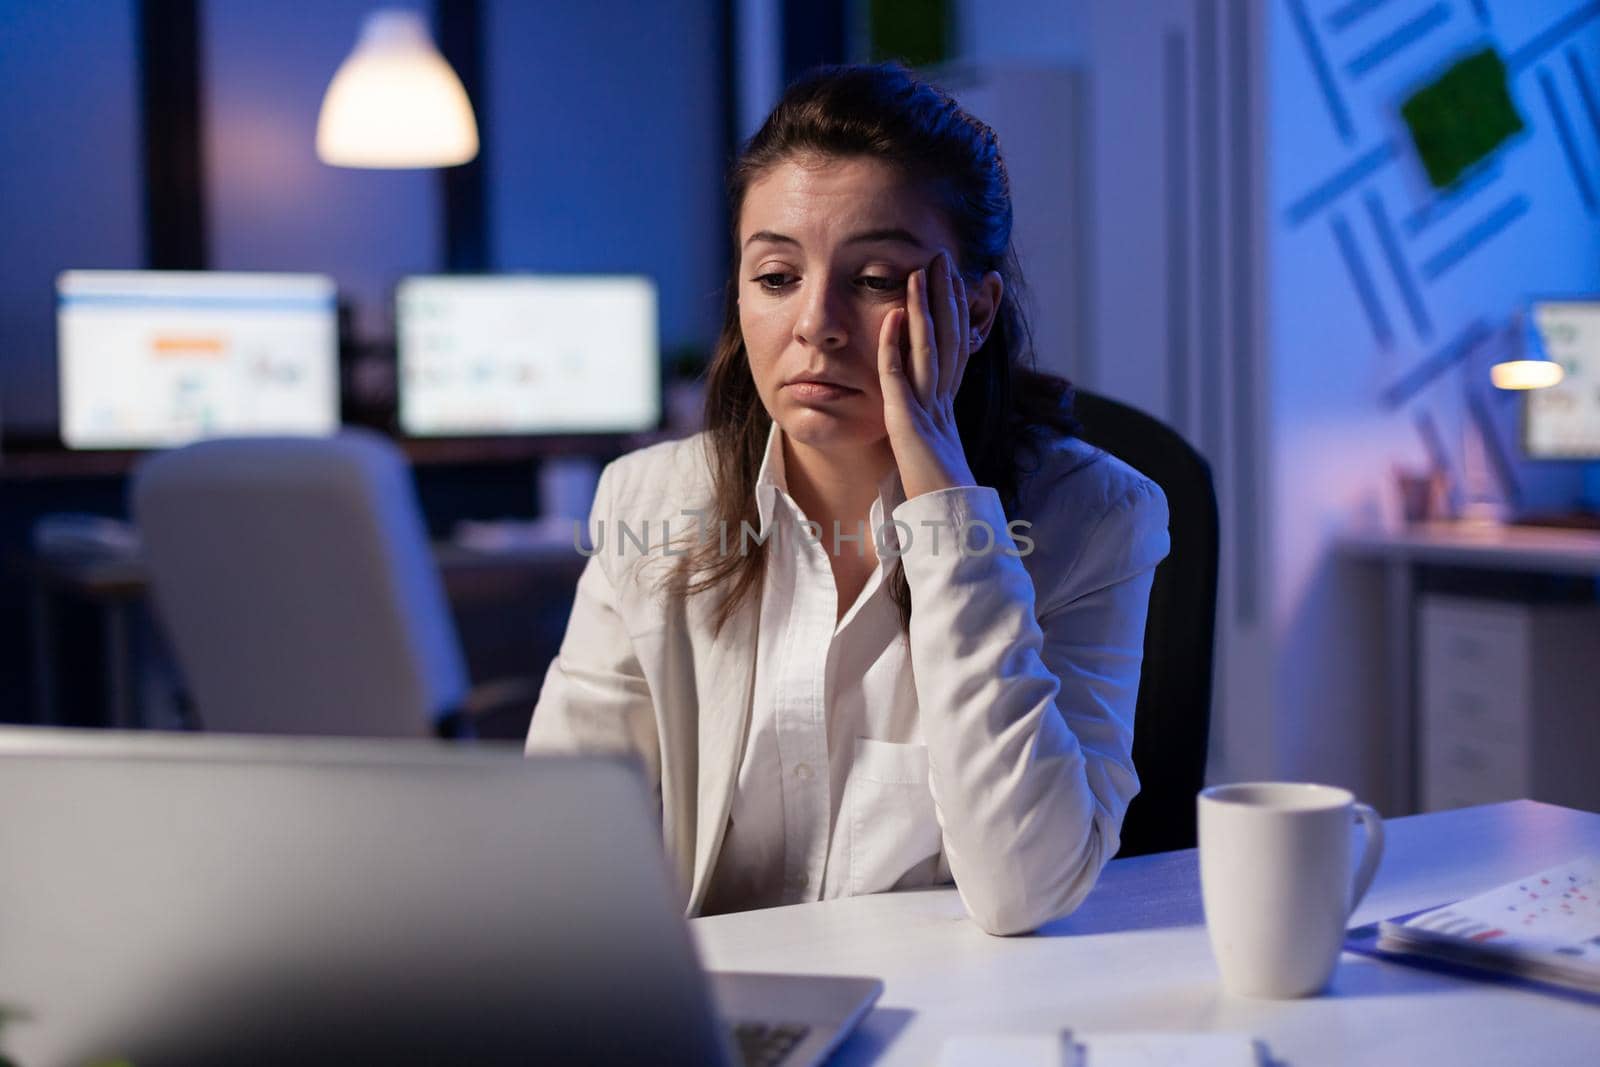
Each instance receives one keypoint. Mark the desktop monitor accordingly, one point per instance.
(151, 359)
(527, 354)
(1563, 421)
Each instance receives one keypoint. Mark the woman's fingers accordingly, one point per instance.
(922, 365)
(891, 361)
(947, 322)
(964, 333)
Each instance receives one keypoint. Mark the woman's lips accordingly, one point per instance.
(820, 390)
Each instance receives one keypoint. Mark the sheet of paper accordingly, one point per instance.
(1168, 1050)
(1557, 910)
(1013, 1050)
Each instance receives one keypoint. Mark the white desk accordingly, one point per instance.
(1535, 549)
(1135, 957)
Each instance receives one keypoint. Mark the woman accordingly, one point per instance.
(880, 624)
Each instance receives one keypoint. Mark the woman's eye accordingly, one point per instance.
(775, 281)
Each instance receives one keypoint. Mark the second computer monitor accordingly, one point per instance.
(151, 359)
(528, 354)
(1563, 422)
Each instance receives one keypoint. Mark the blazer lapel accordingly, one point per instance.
(726, 672)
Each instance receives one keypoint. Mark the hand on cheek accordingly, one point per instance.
(922, 352)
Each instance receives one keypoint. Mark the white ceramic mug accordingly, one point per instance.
(1275, 878)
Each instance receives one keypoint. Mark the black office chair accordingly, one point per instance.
(1173, 718)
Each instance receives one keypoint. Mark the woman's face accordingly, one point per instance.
(825, 250)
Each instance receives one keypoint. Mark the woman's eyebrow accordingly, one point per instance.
(892, 233)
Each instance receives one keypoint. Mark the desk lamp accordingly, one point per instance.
(1530, 365)
(1490, 488)
(1489, 480)
(395, 101)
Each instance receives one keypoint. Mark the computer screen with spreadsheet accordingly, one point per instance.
(1563, 421)
(151, 359)
(527, 354)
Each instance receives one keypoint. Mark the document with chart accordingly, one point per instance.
(1545, 927)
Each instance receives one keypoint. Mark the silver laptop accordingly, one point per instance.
(187, 900)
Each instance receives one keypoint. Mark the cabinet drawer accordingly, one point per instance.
(1496, 711)
(1476, 668)
(1461, 770)
(1476, 646)
(1487, 640)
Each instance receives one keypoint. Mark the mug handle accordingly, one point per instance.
(1373, 824)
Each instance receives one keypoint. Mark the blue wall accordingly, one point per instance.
(272, 204)
(1381, 289)
(70, 181)
(608, 148)
(1382, 279)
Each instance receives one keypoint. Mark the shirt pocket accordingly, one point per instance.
(893, 827)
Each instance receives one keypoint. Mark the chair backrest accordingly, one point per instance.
(1173, 719)
(295, 581)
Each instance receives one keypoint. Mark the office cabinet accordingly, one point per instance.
(1509, 702)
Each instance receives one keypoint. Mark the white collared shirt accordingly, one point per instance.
(832, 794)
(1024, 660)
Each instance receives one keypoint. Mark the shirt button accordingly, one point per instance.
(803, 772)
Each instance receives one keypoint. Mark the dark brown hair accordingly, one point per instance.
(1005, 409)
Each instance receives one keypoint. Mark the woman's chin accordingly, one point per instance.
(821, 428)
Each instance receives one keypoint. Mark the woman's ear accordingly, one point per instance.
(983, 305)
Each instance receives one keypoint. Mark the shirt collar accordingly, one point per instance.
(772, 483)
(770, 480)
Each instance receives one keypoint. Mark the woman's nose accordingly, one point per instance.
(822, 321)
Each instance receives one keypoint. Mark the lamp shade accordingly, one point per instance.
(395, 102)
(1527, 365)
(1526, 374)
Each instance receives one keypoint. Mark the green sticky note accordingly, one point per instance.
(916, 32)
(1463, 117)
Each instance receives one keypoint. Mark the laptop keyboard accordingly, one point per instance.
(767, 1045)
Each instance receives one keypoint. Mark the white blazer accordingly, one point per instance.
(1026, 670)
